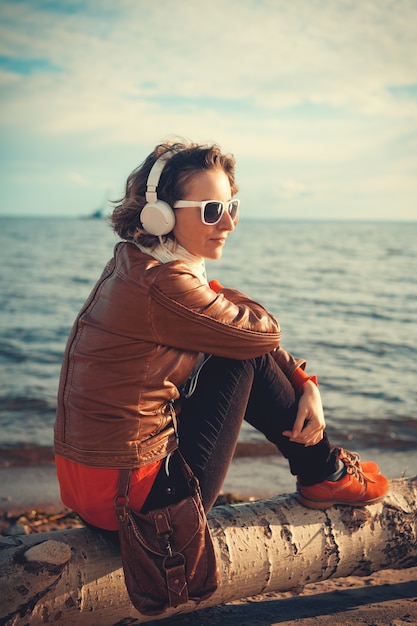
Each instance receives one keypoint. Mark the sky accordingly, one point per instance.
(316, 99)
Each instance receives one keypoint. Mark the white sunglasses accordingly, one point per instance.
(211, 210)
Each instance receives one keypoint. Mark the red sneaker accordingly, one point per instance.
(355, 489)
(368, 467)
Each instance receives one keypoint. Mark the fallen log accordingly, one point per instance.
(275, 544)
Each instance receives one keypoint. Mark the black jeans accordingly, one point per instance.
(229, 391)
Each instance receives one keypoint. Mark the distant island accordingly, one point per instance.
(98, 214)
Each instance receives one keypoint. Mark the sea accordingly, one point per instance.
(345, 294)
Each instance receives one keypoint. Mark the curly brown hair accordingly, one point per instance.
(186, 160)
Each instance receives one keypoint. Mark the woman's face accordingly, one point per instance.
(189, 231)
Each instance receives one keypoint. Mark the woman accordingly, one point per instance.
(160, 358)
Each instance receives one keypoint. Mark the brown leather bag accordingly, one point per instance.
(167, 554)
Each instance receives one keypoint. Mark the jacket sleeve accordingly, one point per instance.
(288, 363)
(292, 367)
(189, 315)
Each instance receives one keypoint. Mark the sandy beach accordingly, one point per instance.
(385, 598)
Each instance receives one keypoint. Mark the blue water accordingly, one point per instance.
(345, 295)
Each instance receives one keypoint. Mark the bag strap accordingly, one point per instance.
(121, 500)
(186, 469)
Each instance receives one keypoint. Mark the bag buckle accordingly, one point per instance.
(174, 568)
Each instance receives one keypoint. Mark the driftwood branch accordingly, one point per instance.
(275, 544)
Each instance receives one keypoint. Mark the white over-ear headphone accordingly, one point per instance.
(157, 216)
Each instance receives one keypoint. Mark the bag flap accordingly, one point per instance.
(186, 519)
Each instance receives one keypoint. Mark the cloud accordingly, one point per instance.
(273, 56)
(320, 90)
(78, 179)
(289, 188)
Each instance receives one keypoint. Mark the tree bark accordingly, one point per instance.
(75, 577)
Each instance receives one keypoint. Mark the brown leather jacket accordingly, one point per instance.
(134, 342)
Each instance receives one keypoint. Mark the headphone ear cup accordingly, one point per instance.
(157, 218)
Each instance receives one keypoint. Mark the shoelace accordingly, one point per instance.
(351, 457)
(356, 470)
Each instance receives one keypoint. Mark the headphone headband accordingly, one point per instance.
(154, 176)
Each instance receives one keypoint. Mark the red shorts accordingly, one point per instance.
(90, 491)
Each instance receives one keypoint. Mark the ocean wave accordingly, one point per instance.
(25, 403)
(344, 294)
(10, 352)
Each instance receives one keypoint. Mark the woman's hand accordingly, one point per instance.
(309, 424)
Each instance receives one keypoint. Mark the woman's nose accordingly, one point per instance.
(226, 222)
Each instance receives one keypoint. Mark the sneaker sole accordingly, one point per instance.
(326, 504)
